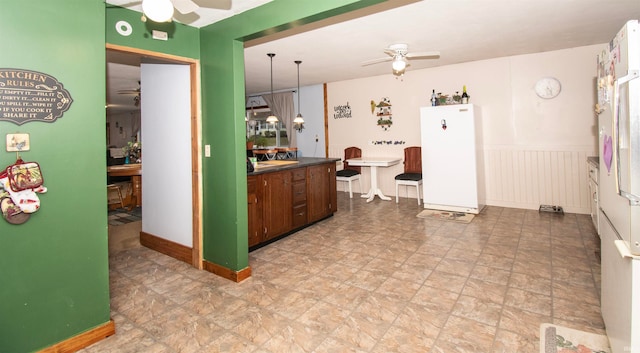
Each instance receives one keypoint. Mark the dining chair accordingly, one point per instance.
(350, 173)
(412, 175)
(116, 199)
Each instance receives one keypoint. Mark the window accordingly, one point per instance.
(265, 134)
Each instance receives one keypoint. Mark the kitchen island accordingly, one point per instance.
(284, 196)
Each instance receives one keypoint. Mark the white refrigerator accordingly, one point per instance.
(451, 158)
(619, 187)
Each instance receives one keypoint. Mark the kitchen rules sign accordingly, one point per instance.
(27, 96)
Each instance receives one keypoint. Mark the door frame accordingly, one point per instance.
(196, 195)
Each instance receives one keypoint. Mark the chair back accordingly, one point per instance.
(351, 152)
(413, 159)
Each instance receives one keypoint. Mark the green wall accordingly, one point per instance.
(182, 40)
(54, 280)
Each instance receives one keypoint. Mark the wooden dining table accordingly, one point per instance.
(135, 172)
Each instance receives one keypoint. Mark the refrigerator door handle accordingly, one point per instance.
(634, 200)
(613, 228)
(623, 249)
(631, 74)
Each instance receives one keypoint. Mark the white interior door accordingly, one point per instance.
(166, 152)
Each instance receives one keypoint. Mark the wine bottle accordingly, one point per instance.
(465, 96)
(434, 99)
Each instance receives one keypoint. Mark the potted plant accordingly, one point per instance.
(132, 152)
(260, 141)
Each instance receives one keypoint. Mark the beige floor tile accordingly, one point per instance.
(481, 310)
(372, 278)
(465, 336)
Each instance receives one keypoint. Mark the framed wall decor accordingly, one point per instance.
(18, 142)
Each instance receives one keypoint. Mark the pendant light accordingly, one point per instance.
(272, 118)
(298, 122)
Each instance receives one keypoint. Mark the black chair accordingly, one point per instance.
(350, 173)
(412, 175)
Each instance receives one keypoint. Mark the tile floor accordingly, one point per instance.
(373, 278)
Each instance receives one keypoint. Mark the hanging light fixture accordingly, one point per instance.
(157, 10)
(272, 118)
(399, 64)
(298, 122)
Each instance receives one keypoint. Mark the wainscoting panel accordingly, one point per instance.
(519, 176)
(529, 177)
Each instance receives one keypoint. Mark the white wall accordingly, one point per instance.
(123, 127)
(312, 110)
(534, 149)
(166, 144)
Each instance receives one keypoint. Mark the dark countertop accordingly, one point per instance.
(302, 162)
(595, 160)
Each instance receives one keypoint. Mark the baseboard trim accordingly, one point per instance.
(83, 340)
(167, 247)
(236, 276)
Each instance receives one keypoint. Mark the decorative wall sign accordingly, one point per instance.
(382, 110)
(27, 96)
(378, 142)
(342, 111)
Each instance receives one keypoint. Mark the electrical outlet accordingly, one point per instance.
(207, 150)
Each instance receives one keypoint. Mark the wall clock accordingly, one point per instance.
(548, 87)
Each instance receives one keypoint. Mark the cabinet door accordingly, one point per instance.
(254, 210)
(319, 201)
(277, 204)
(299, 202)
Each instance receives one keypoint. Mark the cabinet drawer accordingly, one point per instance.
(299, 216)
(593, 172)
(299, 174)
(299, 192)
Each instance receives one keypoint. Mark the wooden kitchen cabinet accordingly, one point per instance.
(320, 199)
(283, 200)
(254, 208)
(299, 194)
(277, 203)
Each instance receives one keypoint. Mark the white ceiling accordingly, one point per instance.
(462, 30)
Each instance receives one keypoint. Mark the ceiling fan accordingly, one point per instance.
(162, 10)
(399, 54)
(134, 92)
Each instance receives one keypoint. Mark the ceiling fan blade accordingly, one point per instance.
(216, 4)
(129, 91)
(375, 61)
(424, 55)
(185, 6)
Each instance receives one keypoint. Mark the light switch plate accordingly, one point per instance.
(207, 150)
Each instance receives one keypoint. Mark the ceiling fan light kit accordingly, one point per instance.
(158, 10)
(400, 56)
(399, 63)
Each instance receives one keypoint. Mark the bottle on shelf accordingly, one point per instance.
(465, 96)
(434, 99)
